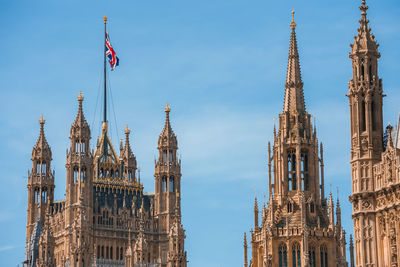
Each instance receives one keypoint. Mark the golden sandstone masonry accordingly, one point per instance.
(106, 219)
(298, 225)
(375, 159)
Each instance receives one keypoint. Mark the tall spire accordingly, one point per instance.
(80, 123)
(167, 137)
(41, 150)
(167, 131)
(256, 226)
(294, 97)
(364, 41)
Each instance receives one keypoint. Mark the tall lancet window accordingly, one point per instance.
(291, 167)
(164, 184)
(362, 117)
(311, 254)
(296, 259)
(324, 256)
(171, 183)
(304, 170)
(282, 256)
(373, 108)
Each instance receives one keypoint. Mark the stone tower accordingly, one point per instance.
(374, 161)
(79, 190)
(298, 225)
(167, 176)
(40, 193)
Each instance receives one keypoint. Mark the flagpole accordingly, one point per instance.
(105, 72)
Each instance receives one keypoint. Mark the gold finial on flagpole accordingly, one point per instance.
(105, 19)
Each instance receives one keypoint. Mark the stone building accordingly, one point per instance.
(106, 219)
(375, 159)
(299, 226)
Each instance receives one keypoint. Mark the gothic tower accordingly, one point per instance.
(373, 160)
(40, 191)
(79, 188)
(167, 194)
(296, 228)
(365, 99)
(167, 175)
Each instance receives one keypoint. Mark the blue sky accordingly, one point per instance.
(220, 64)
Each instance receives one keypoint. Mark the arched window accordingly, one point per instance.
(312, 207)
(38, 171)
(83, 174)
(164, 184)
(324, 256)
(296, 258)
(362, 71)
(311, 253)
(165, 156)
(291, 167)
(76, 174)
(363, 122)
(44, 168)
(304, 170)
(282, 256)
(171, 184)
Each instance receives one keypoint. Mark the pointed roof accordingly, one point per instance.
(126, 151)
(294, 96)
(41, 150)
(364, 41)
(80, 125)
(167, 136)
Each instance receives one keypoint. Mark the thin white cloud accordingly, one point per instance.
(5, 248)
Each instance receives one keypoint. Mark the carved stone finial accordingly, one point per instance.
(167, 108)
(293, 24)
(127, 131)
(42, 120)
(80, 96)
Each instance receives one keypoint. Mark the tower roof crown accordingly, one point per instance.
(41, 150)
(294, 96)
(127, 153)
(167, 136)
(80, 125)
(364, 41)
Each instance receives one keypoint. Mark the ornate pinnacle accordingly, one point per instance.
(105, 19)
(167, 108)
(127, 131)
(80, 96)
(42, 120)
(293, 24)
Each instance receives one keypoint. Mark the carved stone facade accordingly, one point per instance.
(298, 225)
(106, 219)
(375, 159)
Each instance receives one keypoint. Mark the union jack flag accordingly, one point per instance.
(110, 53)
